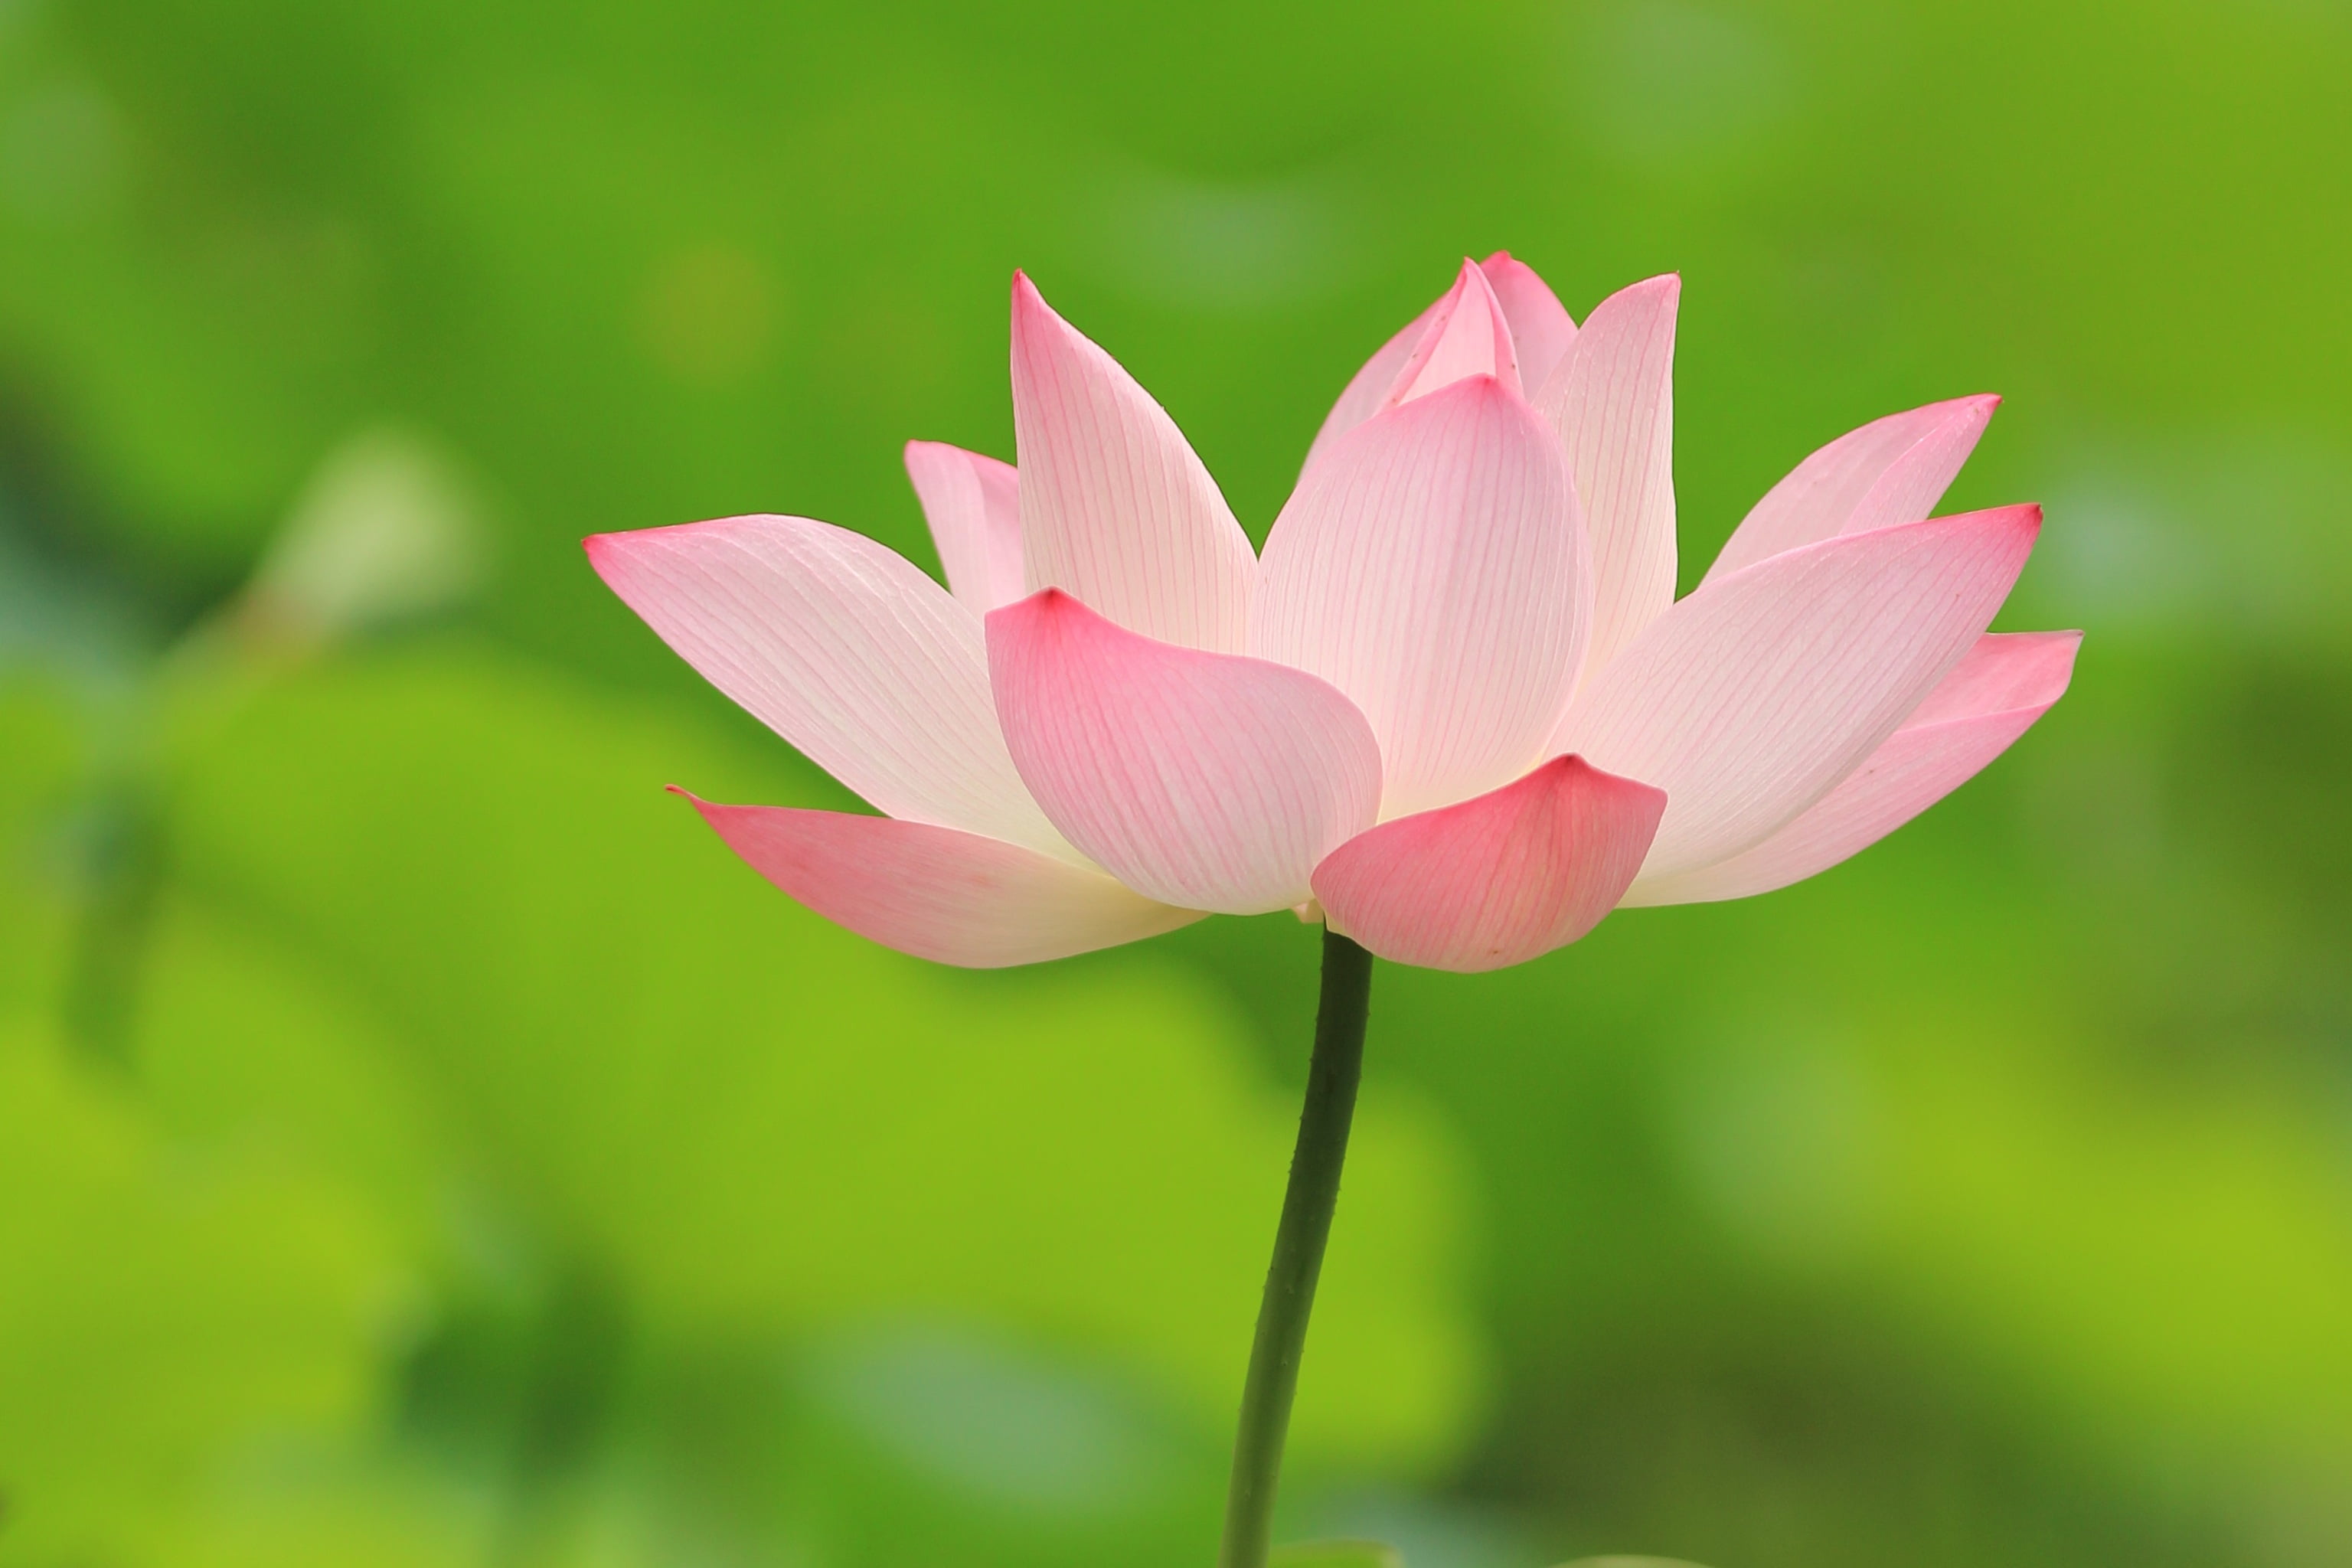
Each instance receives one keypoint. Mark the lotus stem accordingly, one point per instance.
(1298, 1241)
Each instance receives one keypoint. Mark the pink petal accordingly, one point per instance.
(844, 649)
(1467, 336)
(1612, 398)
(1993, 696)
(974, 505)
(1204, 780)
(950, 896)
(1114, 505)
(1892, 470)
(1496, 880)
(1754, 697)
(1541, 328)
(1367, 391)
(1429, 568)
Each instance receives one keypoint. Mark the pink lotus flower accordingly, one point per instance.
(1456, 703)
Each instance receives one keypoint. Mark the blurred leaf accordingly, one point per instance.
(761, 1121)
(41, 739)
(241, 1047)
(161, 1315)
(1335, 1554)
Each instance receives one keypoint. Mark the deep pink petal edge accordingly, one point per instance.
(934, 892)
(1211, 781)
(1496, 880)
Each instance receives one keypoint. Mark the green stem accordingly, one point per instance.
(1313, 1193)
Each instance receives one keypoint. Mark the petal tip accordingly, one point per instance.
(1047, 604)
(1572, 765)
(1028, 303)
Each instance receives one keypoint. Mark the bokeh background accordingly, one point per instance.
(422, 1143)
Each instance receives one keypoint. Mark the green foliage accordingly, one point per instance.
(160, 1312)
(1335, 1554)
(757, 1121)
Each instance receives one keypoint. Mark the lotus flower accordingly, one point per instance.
(1454, 704)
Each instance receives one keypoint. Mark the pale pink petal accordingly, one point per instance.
(1114, 506)
(1467, 336)
(1612, 398)
(844, 649)
(1367, 391)
(974, 505)
(1890, 471)
(1496, 880)
(1430, 566)
(1541, 328)
(1205, 780)
(1993, 696)
(952, 896)
(1754, 697)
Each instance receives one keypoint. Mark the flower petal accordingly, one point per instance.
(1367, 391)
(974, 505)
(844, 649)
(1204, 780)
(1114, 505)
(1430, 568)
(1496, 880)
(1993, 696)
(1892, 470)
(1541, 328)
(950, 896)
(1468, 335)
(1612, 398)
(1755, 696)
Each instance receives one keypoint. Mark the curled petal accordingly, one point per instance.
(1993, 696)
(1892, 470)
(1754, 697)
(1496, 880)
(1368, 390)
(950, 896)
(1115, 507)
(844, 648)
(1541, 328)
(1612, 398)
(1430, 568)
(1209, 781)
(973, 506)
(1467, 335)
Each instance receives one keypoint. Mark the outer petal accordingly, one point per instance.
(1541, 328)
(954, 897)
(844, 649)
(1892, 470)
(1993, 696)
(974, 505)
(1431, 567)
(1114, 505)
(1612, 400)
(1496, 880)
(1760, 691)
(1468, 335)
(1199, 779)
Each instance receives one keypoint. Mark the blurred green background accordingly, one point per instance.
(421, 1142)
